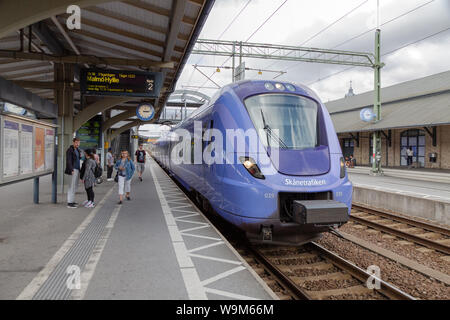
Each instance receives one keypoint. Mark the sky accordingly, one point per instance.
(328, 24)
(298, 20)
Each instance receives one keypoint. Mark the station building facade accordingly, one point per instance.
(415, 114)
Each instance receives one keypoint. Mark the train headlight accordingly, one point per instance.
(290, 87)
(269, 86)
(342, 168)
(251, 166)
(279, 86)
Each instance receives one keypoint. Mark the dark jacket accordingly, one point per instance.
(71, 157)
(89, 176)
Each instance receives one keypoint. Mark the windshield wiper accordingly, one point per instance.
(271, 134)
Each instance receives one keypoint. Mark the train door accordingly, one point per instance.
(206, 145)
(210, 173)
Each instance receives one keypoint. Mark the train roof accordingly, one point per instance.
(246, 88)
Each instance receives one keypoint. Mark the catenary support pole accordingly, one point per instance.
(376, 152)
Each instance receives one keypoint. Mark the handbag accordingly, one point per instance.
(116, 178)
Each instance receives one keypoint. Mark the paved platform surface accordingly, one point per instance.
(417, 188)
(156, 246)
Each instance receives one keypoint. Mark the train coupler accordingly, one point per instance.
(320, 212)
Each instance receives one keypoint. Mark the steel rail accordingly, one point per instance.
(286, 282)
(386, 288)
(360, 274)
(392, 216)
(401, 234)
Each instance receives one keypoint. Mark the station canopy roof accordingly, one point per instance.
(159, 33)
(421, 102)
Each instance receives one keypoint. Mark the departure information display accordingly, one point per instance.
(120, 83)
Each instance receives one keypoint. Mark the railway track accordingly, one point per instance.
(307, 272)
(312, 272)
(425, 234)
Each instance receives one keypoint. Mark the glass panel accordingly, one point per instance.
(412, 141)
(421, 151)
(422, 161)
(404, 141)
(403, 161)
(421, 140)
(294, 117)
(403, 157)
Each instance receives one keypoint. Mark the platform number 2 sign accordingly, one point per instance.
(150, 85)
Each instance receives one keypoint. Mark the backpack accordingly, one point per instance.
(98, 171)
(82, 170)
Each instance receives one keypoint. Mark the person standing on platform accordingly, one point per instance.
(73, 156)
(88, 177)
(352, 161)
(96, 157)
(141, 156)
(409, 156)
(109, 164)
(125, 170)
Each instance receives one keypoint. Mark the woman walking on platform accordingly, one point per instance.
(88, 177)
(125, 170)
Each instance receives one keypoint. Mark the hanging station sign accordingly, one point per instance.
(27, 148)
(120, 83)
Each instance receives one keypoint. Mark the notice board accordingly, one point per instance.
(27, 148)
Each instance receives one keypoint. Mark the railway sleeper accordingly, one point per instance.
(329, 276)
(323, 295)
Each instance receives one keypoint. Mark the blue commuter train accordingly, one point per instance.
(289, 187)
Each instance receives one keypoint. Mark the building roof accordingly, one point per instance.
(419, 102)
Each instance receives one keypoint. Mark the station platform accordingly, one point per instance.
(416, 193)
(156, 246)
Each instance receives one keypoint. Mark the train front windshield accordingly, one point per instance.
(284, 121)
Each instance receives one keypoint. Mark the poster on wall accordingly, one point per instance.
(39, 151)
(26, 149)
(10, 148)
(49, 148)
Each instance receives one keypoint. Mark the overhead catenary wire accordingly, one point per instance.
(326, 28)
(383, 24)
(223, 32)
(372, 29)
(254, 32)
(384, 54)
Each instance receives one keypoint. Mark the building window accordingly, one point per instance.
(415, 139)
(348, 147)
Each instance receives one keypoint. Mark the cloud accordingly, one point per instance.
(297, 21)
